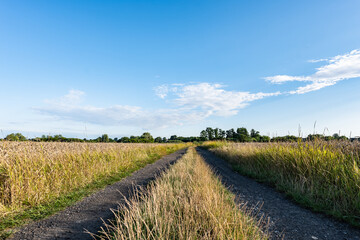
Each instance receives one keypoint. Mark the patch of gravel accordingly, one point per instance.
(287, 220)
(89, 212)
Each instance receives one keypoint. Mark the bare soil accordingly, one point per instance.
(89, 212)
(287, 220)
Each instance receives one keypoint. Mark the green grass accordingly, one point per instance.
(41, 211)
(323, 176)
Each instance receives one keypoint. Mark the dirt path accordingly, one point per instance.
(87, 214)
(286, 218)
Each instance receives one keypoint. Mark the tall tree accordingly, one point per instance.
(216, 133)
(243, 134)
(210, 133)
(104, 138)
(230, 134)
(204, 135)
(146, 137)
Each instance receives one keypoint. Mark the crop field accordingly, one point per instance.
(186, 202)
(38, 178)
(322, 175)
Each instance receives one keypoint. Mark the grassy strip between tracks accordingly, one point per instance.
(186, 202)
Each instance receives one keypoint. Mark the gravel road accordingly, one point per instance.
(87, 214)
(287, 219)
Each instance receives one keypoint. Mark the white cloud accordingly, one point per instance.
(318, 60)
(339, 68)
(190, 104)
(73, 97)
(213, 99)
(161, 91)
(113, 115)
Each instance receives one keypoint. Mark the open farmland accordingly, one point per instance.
(37, 179)
(322, 175)
(186, 202)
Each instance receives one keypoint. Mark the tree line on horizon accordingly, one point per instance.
(208, 134)
(243, 135)
(240, 135)
(146, 137)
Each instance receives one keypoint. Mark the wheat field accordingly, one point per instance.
(36, 173)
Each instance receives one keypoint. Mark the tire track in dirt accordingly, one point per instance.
(287, 219)
(87, 214)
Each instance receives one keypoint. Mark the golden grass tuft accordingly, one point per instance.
(186, 202)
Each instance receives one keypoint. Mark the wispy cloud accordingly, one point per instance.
(189, 104)
(110, 116)
(339, 68)
(213, 98)
(161, 91)
(73, 97)
(318, 60)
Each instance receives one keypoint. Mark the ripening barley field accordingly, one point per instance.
(322, 175)
(35, 174)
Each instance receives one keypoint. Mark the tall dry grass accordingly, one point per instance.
(187, 202)
(322, 175)
(36, 173)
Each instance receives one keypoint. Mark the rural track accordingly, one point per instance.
(287, 219)
(89, 212)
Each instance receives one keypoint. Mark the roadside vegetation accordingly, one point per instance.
(38, 179)
(186, 202)
(323, 175)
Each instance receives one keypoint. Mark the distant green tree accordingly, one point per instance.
(287, 138)
(216, 133)
(336, 136)
(264, 139)
(230, 134)
(243, 135)
(312, 137)
(254, 134)
(173, 138)
(15, 137)
(125, 140)
(210, 133)
(146, 137)
(222, 134)
(158, 140)
(204, 135)
(104, 138)
(328, 138)
(134, 139)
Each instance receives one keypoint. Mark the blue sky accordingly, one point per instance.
(83, 68)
